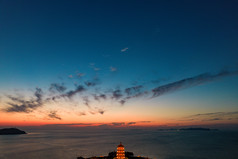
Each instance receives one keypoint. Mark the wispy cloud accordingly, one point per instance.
(18, 104)
(93, 66)
(140, 91)
(214, 116)
(133, 90)
(122, 102)
(81, 113)
(96, 110)
(113, 69)
(72, 93)
(190, 82)
(54, 115)
(91, 92)
(118, 123)
(117, 94)
(131, 123)
(71, 124)
(56, 87)
(145, 121)
(80, 74)
(86, 101)
(101, 111)
(124, 49)
(112, 124)
(93, 82)
(99, 97)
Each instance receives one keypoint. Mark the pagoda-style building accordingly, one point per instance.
(120, 152)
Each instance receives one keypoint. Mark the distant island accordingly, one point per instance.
(195, 129)
(198, 129)
(119, 154)
(188, 129)
(11, 131)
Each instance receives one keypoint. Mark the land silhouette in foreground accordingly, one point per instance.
(119, 154)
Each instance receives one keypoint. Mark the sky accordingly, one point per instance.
(118, 63)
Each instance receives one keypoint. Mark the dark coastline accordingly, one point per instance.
(11, 131)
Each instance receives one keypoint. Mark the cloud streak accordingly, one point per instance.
(91, 93)
(92, 65)
(20, 105)
(99, 97)
(113, 69)
(124, 49)
(215, 116)
(72, 93)
(190, 82)
(54, 115)
(56, 87)
(117, 94)
(133, 90)
(91, 83)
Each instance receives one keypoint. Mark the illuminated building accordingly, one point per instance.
(120, 152)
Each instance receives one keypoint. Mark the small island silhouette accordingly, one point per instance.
(119, 154)
(188, 129)
(197, 129)
(11, 131)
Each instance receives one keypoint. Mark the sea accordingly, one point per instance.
(152, 143)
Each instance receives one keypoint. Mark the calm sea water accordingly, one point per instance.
(68, 144)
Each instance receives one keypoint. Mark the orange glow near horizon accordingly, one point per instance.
(133, 115)
(18, 120)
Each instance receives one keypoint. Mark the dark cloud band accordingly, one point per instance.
(190, 82)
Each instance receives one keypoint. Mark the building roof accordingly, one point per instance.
(120, 145)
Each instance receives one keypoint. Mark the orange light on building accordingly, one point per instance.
(120, 151)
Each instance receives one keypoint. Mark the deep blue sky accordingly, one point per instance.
(168, 37)
(45, 41)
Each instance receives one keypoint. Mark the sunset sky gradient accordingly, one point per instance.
(118, 63)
